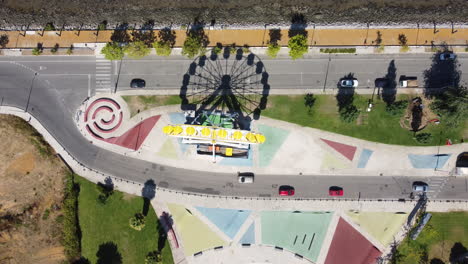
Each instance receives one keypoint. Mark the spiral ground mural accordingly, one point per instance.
(104, 119)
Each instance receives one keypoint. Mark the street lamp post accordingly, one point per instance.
(30, 91)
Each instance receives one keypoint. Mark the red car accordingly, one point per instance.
(286, 190)
(335, 191)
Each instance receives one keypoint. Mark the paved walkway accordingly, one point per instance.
(288, 149)
(255, 37)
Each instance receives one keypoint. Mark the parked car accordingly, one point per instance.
(245, 177)
(137, 83)
(420, 187)
(335, 191)
(286, 190)
(447, 56)
(348, 83)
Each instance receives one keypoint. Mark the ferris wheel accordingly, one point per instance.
(231, 84)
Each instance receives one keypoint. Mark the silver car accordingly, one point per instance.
(245, 177)
(420, 187)
(349, 83)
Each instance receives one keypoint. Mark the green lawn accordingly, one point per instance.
(109, 223)
(377, 125)
(144, 102)
(437, 240)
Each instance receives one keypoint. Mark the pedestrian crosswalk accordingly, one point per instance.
(436, 184)
(103, 75)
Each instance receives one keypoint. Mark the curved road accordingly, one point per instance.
(62, 83)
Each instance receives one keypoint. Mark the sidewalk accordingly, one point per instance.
(255, 37)
(289, 149)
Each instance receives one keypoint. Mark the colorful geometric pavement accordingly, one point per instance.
(249, 235)
(300, 232)
(364, 158)
(432, 161)
(382, 226)
(275, 139)
(346, 150)
(195, 235)
(350, 247)
(105, 116)
(227, 220)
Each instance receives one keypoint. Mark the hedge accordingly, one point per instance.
(338, 50)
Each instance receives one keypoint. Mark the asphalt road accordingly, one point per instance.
(62, 83)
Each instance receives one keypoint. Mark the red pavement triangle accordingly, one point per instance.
(345, 150)
(134, 137)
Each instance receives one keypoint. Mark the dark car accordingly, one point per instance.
(286, 190)
(137, 83)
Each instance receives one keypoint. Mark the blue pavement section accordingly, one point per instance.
(434, 161)
(238, 161)
(177, 119)
(227, 220)
(364, 158)
(249, 235)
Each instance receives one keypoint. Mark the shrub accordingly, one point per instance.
(37, 51)
(113, 51)
(137, 50)
(137, 222)
(404, 48)
(46, 214)
(381, 48)
(49, 27)
(102, 25)
(153, 257)
(70, 50)
(349, 113)
(297, 46)
(245, 49)
(423, 138)
(162, 48)
(70, 228)
(55, 48)
(272, 50)
(218, 48)
(338, 50)
(396, 108)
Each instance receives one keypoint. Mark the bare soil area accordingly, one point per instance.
(31, 195)
(72, 13)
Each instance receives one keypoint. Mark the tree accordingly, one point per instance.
(452, 106)
(55, 48)
(297, 46)
(70, 50)
(137, 222)
(272, 50)
(309, 101)
(162, 48)
(4, 41)
(137, 50)
(37, 51)
(194, 43)
(349, 113)
(113, 51)
(403, 42)
(106, 189)
(153, 257)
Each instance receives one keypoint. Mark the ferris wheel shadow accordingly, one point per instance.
(227, 83)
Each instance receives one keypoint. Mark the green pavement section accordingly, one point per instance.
(382, 226)
(275, 137)
(195, 235)
(168, 150)
(299, 232)
(104, 225)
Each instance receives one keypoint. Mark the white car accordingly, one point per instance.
(349, 83)
(447, 56)
(245, 177)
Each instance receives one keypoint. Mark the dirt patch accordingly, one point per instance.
(32, 192)
(441, 250)
(137, 104)
(417, 115)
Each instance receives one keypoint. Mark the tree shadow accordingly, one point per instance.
(416, 114)
(389, 89)
(441, 74)
(457, 252)
(167, 35)
(345, 96)
(148, 192)
(145, 34)
(197, 29)
(165, 224)
(275, 36)
(120, 34)
(4, 41)
(108, 253)
(298, 25)
(82, 260)
(436, 261)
